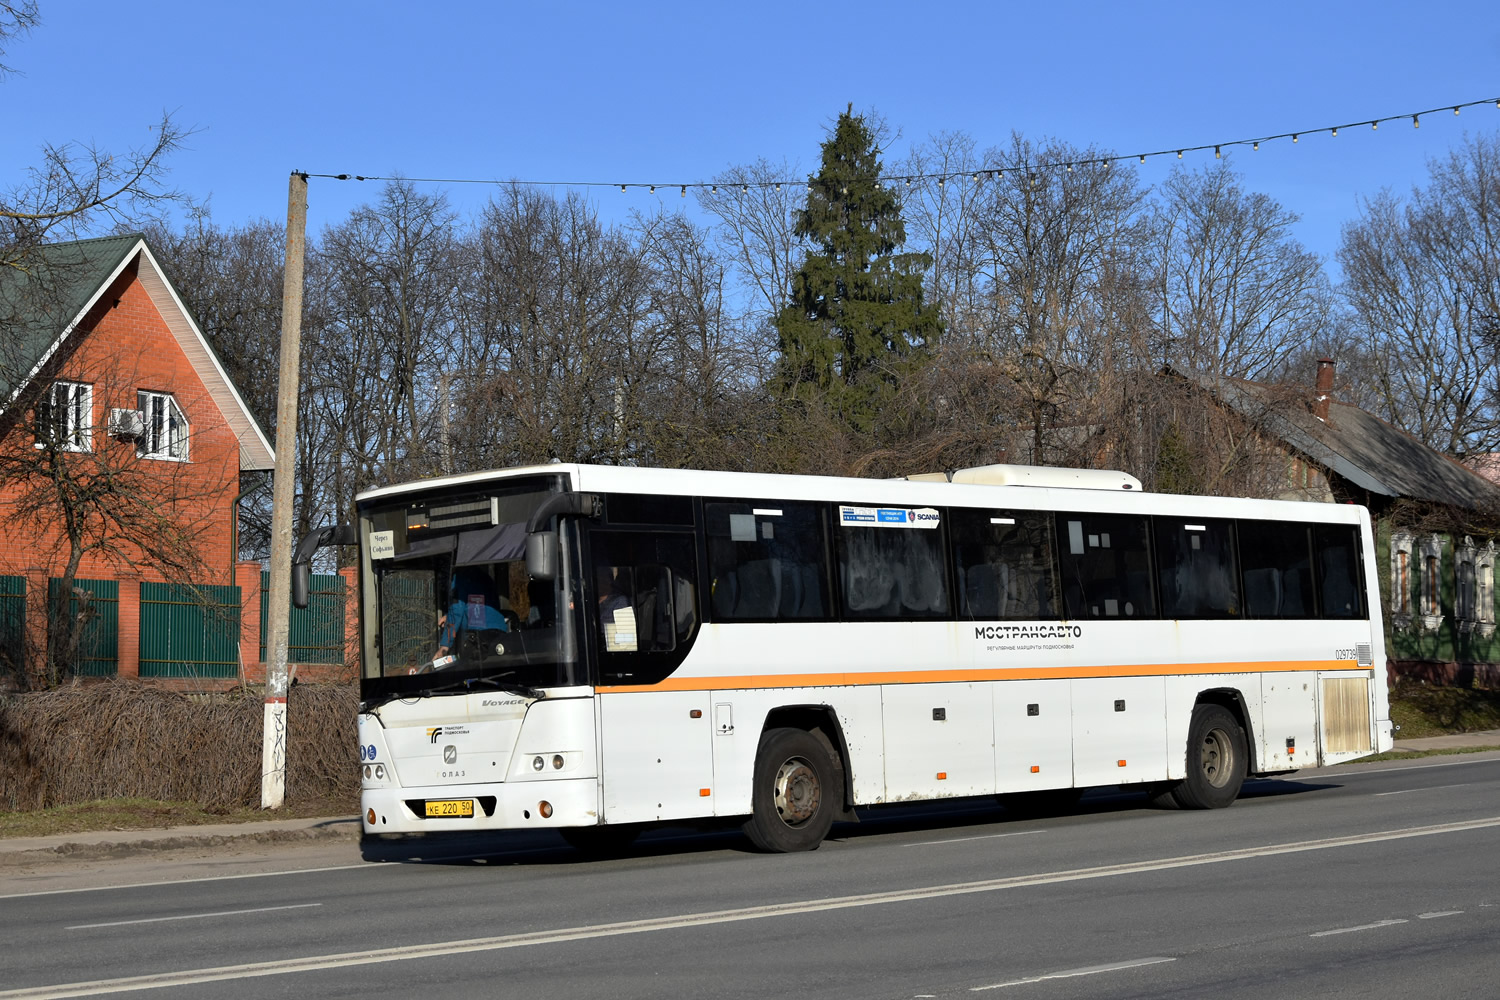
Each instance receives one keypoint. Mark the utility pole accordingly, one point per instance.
(273, 745)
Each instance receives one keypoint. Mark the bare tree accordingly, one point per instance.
(1422, 280)
(1236, 290)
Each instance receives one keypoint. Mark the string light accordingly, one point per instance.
(1105, 162)
(1455, 112)
(1256, 147)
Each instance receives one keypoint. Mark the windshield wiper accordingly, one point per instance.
(468, 683)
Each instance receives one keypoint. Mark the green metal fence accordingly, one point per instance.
(12, 624)
(189, 630)
(315, 633)
(95, 606)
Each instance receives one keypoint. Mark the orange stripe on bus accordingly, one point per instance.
(849, 679)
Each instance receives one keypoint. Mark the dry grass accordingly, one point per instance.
(1438, 710)
(127, 740)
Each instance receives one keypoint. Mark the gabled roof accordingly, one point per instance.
(1354, 444)
(43, 302)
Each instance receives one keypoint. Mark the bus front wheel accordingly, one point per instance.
(792, 800)
(1217, 757)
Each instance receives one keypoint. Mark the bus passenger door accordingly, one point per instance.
(657, 755)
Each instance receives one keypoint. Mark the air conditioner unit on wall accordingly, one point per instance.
(126, 423)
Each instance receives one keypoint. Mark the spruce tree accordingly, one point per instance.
(856, 325)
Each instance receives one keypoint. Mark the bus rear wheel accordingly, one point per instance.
(1217, 757)
(792, 800)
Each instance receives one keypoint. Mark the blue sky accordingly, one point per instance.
(678, 92)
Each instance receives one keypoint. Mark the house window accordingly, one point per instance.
(1431, 555)
(166, 427)
(1401, 566)
(65, 417)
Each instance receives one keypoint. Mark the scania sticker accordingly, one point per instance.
(889, 517)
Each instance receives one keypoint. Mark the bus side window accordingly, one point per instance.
(766, 561)
(1195, 568)
(1337, 549)
(644, 601)
(892, 572)
(1106, 566)
(1276, 569)
(1004, 564)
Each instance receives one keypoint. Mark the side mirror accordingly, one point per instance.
(332, 534)
(541, 555)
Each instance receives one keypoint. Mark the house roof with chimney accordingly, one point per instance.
(1351, 443)
(46, 297)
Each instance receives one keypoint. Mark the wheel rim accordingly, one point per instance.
(798, 791)
(1217, 758)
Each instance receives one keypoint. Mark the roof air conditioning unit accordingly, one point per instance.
(126, 423)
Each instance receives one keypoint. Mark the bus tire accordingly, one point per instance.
(1217, 756)
(794, 797)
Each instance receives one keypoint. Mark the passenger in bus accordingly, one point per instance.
(474, 606)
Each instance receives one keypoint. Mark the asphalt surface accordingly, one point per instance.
(122, 843)
(1369, 880)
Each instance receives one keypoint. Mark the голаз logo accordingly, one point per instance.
(433, 732)
(450, 754)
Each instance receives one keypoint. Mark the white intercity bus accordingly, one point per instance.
(595, 649)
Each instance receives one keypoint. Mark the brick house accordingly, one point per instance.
(1436, 519)
(122, 443)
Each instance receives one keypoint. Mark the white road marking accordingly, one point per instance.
(191, 916)
(1424, 788)
(1361, 927)
(190, 881)
(1092, 970)
(985, 836)
(1324, 775)
(438, 949)
(1439, 913)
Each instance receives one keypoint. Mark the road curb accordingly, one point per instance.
(135, 843)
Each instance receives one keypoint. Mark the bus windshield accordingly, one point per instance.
(449, 605)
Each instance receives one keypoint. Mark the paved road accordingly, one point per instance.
(1373, 881)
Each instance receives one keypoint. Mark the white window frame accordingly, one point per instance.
(1465, 586)
(166, 428)
(1484, 585)
(1402, 560)
(75, 430)
(1431, 548)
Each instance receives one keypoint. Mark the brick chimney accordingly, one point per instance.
(1324, 393)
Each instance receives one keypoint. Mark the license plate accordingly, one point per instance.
(450, 808)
